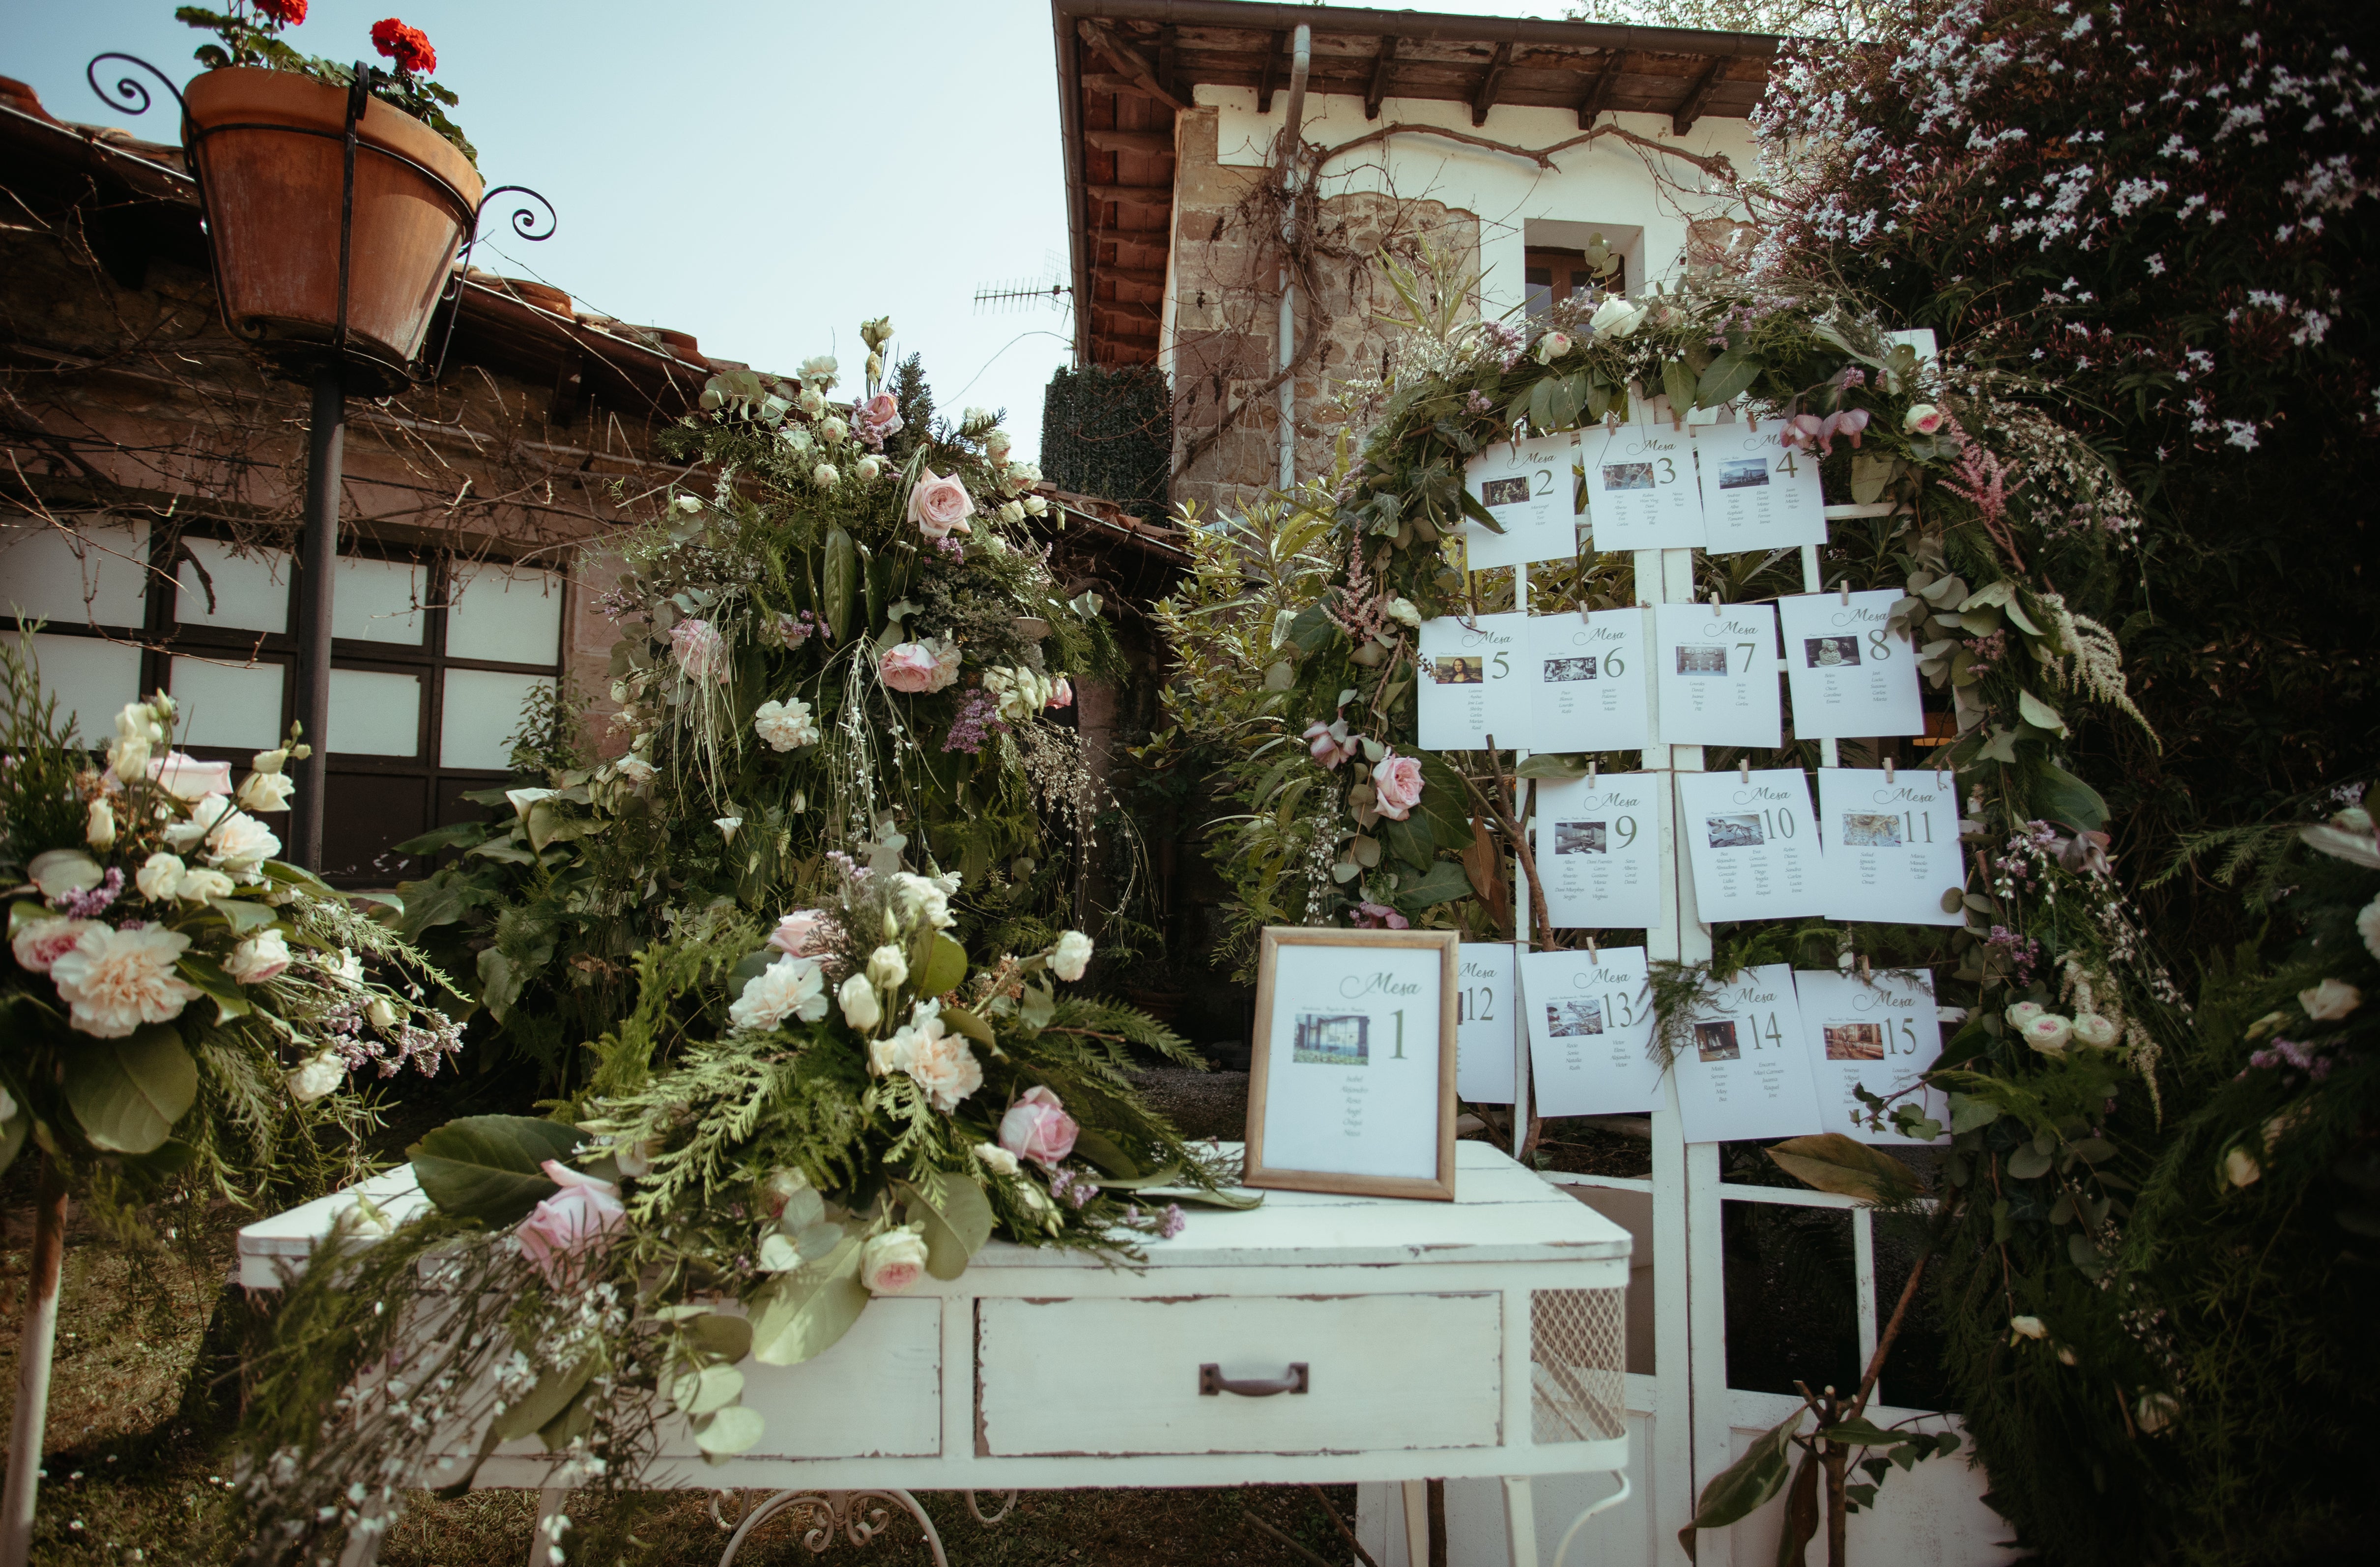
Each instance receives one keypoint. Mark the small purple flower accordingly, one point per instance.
(951, 547)
(1071, 1189)
(91, 903)
(1171, 1222)
(978, 718)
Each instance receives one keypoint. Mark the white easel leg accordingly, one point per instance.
(1417, 1523)
(1614, 1499)
(1521, 1520)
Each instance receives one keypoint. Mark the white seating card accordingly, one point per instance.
(1757, 493)
(1531, 488)
(1892, 846)
(1590, 682)
(1598, 851)
(1853, 677)
(1591, 1032)
(1745, 1073)
(1470, 683)
(1754, 846)
(1717, 671)
(1639, 487)
(1881, 1034)
(1485, 1022)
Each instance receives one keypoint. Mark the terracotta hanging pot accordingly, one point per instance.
(269, 150)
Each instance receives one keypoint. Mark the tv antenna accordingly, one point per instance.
(1021, 295)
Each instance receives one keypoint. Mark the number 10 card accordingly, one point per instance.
(1750, 840)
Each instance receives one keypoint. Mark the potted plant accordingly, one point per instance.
(316, 174)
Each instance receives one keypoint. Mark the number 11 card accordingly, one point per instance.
(1892, 845)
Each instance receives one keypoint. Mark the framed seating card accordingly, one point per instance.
(1599, 852)
(1351, 1083)
(1879, 1034)
(1591, 1032)
(1530, 487)
(1757, 494)
(1853, 677)
(1487, 989)
(1590, 682)
(1753, 844)
(1746, 1071)
(1892, 845)
(1639, 487)
(1471, 683)
(1718, 673)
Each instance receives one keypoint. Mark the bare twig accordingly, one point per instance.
(1715, 165)
(1341, 1523)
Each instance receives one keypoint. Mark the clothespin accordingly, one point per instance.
(1592, 955)
(1865, 978)
(1888, 770)
(1714, 604)
(1744, 770)
(1750, 420)
(1590, 775)
(1847, 593)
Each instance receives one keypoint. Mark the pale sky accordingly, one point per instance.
(762, 175)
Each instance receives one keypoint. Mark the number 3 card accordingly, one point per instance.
(1640, 488)
(1590, 690)
(1598, 852)
(1484, 1023)
(1746, 1072)
(1892, 845)
(1528, 487)
(1471, 686)
(1753, 854)
(1719, 674)
(1757, 494)
(1878, 1034)
(1591, 1032)
(1853, 677)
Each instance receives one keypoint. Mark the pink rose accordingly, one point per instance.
(40, 942)
(1398, 780)
(796, 931)
(188, 778)
(1062, 695)
(700, 650)
(879, 415)
(1037, 1127)
(939, 505)
(1328, 742)
(1380, 916)
(1922, 419)
(574, 1221)
(911, 668)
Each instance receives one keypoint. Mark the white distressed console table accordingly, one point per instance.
(1318, 1338)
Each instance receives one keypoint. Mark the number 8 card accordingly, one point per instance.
(1853, 677)
(1757, 493)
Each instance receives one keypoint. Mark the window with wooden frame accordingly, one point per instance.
(1552, 275)
(432, 655)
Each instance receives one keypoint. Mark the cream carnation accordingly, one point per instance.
(160, 876)
(1071, 955)
(791, 987)
(117, 980)
(936, 1059)
(786, 725)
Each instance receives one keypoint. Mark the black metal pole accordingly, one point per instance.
(317, 580)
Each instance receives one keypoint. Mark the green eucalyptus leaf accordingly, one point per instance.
(1832, 1162)
(490, 1166)
(1729, 377)
(1444, 884)
(542, 1403)
(128, 1093)
(803, 1313)
(243, 915)
(842, 587)
(729, 1431)
(220, 988)
(945, 969)
(2060, 796)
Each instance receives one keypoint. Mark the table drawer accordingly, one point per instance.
(877, 1391)
(1117, 1376)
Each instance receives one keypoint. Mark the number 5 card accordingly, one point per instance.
(1879, 1034)
(1746, 1072)
(1753, 854)
(1471, 686)
(1530, 489)
(1598, 852)
(1719, 674)
(1591, 1032)
(1639, 487)
(1853, 677)
(1590, 682)
(1757, 494)
(1892, 845)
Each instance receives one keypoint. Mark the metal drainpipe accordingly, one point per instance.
(1301, 57)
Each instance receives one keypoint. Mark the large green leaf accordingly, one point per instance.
(1444, 802)
(243, 917)
(542, 1402)
(128, 1093)
(1678, 382)
(1729, 377)
(1411, 840)
(1832, 1162)
(1095, 1147)
(1445, 883)
(221, 988)
(946, 967)
(957, 1217)
(2060, 796)
(802, 1314)
(487, 1167)
(453, 835)
(1745, 1486)
(842, 587)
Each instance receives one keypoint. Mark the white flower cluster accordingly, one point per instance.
(786, 724)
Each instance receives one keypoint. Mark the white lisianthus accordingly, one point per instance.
(727, 826)
(1404, 612)
(199, 883)
(636, 771)
(922, 898)
(260, 957)
(791, 987)
(159, 877)
(2155, 1411)
(266, 791)
(523, 798)
(786, 725)
(317, 1077)
(270, 761)
(2330, 1001)
(689, 505)
(1036, 506)
(1011, 511)
(824, 475)
(383, 1012)
(137, 734)
(2048, 1034)
(99, 825)
(892, 1262)
(860, 1008)
(117, 980)
(1071, 955)
(888, 969)
(2094, 1030)
(995, 445)
(997, 1160)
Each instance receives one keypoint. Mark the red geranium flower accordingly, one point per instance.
(408, 47)
(288, 13)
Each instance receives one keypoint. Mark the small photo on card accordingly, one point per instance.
(1716, 1041)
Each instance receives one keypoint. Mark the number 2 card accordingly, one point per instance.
(1754, 855)
(1471, 685)
(1879, 1034)
(1757, 494)
(1528, 487)
(1590, 691)
(1745, 1072)
(1718, 673)
(1892, 845)
(1591, 1032)
(1639, 487)
(1597, 851)
(1853, 677)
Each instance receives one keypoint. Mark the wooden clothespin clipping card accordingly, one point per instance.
(1714, 604)
(1590, 775)
(1592, 955)
(1847, 593)
(1865, 978)
(1888, 770)
(1743, 769)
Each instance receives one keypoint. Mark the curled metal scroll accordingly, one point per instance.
(131, 95)
(524, 220)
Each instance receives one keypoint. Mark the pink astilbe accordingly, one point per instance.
(1360, 608)
(1985, 487)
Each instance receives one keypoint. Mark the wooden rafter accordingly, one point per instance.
(1598, 90)
(1485, 99)
(1383, 66)
(1698, 96)
(1128, 59)
(1152, 195)
(1271, 71)
(1111, 82)
(1151, 143)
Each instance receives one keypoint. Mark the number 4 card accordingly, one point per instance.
(1892, 845)
(1753, 854)
(1853, 677)
(1471, 686)
(1745, 1073)
(1591, 1032)
(1757, 494)
(1529, 487)
(1639, 487)
(1879, 1034)
(1719, 674)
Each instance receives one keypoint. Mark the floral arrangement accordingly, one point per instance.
(250, 34)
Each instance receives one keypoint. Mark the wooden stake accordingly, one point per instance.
(34, 1347)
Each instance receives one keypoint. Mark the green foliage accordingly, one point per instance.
(489, 1168)
(39, 805)
(1109, 431)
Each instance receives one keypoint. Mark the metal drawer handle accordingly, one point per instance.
(1211, 1382)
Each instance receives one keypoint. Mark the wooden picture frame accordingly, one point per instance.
(1313, 1064)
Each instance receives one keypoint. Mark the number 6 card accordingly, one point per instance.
(1640, 488)
(1757, 494)
(1590, 682)
(1853, 677)
(1528, 487)
(1753, 854)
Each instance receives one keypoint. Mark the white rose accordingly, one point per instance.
(2024, 1013)
(1616, 317)
(99, 826)
(2028, 1328)
(1011, 511)
(1071, 955)
(2367, 925)
(888, 968)
(1404, 612)
(2091, 1029)
(812, 401)
(383, 1012)
(199, 884)
(859, 1005)
(2330, 1001)
(824, 475)
(2048, 1034)
(266, 791)
(919, 898)
(117, 980)
(791, 987)
(1552, 346)
(127, 756)
(317, 1077)
(239, 842)
(997, 1160)
(869, 468)
(259, 958)
(893, 1262)
(2240, 1168)
(159, 877)
(270, 761)
(834, 430)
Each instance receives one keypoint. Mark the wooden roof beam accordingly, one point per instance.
(1110, 81)
(1485, 99)
(1153, 143)
(1382, 64)
(1146, 277)
(1147, 195)
(1271, 71)
(1598, 91)
(1128, 59)
(1698, 96)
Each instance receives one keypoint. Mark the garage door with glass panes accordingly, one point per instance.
(432, 656)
